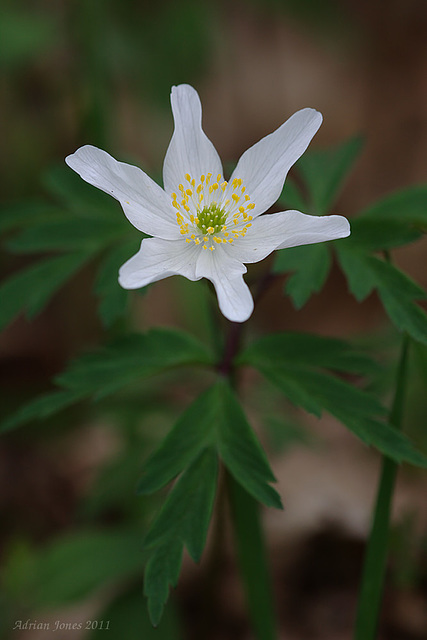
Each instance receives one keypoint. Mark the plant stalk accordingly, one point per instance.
(374, 569)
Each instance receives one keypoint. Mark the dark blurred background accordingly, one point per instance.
(100, 72)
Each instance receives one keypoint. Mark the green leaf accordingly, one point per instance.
(31, 289)
(183, 444)
(396, 290)
(113, 296)
(324, 172)
(28, 212)
(74, 567)
(297, 350)
(300, 379)
(360, 279)
(131, 359)
(183, 519)
(214, 419)
(79, 196)
(126, 618)
(240, 450)
(407, 206)
(67, 233)
(117, 366)
(371, 234)
(291, 197)
(311, 265)
(41, 408)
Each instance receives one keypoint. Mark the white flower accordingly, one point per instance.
(201, 225)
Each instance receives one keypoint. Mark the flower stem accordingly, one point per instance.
(373, 575)
(252, 559)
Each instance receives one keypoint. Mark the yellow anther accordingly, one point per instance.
(212, 248)
(200, 197)
(226, 234)
(235, 197)
(224, 228)
(218, 178)
(181, 187)
(242, 209)
(235, 221)
(193, 182)
(202, 179)
(210, 230)
(223, 185)
(186, 208)
(250, 218)
(215, 186)
(204, 246)
(187, 240)
(199, 188)
(189, 192)
(251, 206)
(192, 236)
(175, 204)
(192, 218)
(196, 220)
(247, 197)
(208, 178)
(231, 240)
(205, 238)
(197, 241)
(188, 177)
(243, 189)
(173, 196)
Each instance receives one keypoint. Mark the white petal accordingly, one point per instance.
(190, 150)
(158, 259)
(264, 166)
(145, 204)
(286, 229)
(234, 298)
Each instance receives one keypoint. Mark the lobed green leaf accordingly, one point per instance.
(31, 289)
(310, 265)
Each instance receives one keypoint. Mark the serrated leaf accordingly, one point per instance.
(360, 279)
(131, 359)
(28, 212)
(113, 297)
(324, 172)
(240, 450)
(40, 408)
(183, 520)
(316, 391)
(307, 350)
(31, 289)
(126, 618)
(311, 265)
(396, 290)
(72, 568)
(67, 233)
(407, 206)
(161, 572)
(112, 368)
(190, 435)
(214, 419)
(371, 234)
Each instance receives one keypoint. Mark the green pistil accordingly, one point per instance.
(211, 217)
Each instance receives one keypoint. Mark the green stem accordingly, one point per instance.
(372, 585)
(252, 560)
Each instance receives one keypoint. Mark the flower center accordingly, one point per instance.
(213, 212)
